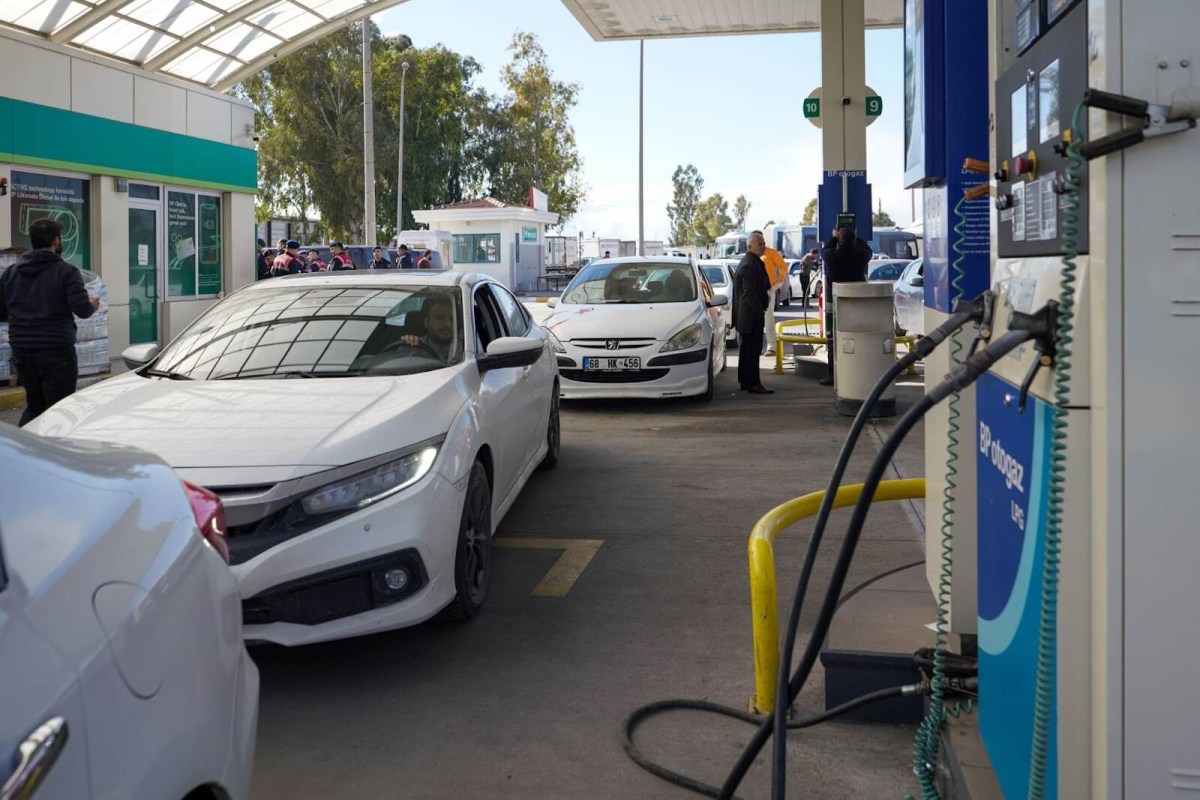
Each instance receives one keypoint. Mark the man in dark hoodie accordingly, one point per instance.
(40, 296)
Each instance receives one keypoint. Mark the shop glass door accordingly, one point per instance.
(144, 234)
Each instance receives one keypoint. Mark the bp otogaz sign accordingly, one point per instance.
(812, 106)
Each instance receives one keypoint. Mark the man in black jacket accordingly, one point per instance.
(40, 296)
(752, 290)
(845, 258)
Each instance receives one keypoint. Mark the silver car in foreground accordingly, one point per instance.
(122, 668)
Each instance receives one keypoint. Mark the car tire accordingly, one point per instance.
(724, 358)
(473, 555)
(896, 325)
(708, 392)
(553, 434)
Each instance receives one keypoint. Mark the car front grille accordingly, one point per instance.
(640, 376)
(603, 344)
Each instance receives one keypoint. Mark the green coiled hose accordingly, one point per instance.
(1047, 663)
(928, 742)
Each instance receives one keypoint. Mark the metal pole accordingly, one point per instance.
(400, 168)
(368, 139)
(641, 148)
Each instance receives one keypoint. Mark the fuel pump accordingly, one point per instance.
(1081, 92)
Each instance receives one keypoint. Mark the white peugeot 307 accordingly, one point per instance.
(366, 433)
(638, 327)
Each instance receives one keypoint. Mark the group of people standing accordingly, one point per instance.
(761, 274)
(290, 259)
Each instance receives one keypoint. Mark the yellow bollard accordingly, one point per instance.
(764, 607)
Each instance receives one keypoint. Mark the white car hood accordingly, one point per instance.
(269, 424)
(658, 321)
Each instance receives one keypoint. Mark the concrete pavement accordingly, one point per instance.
(527, 700)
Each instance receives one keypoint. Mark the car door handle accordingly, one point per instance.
(36, 755)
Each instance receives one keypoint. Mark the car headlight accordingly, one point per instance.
(555, 344)
(358, 491)
(687, 338)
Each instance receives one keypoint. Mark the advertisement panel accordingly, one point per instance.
(65, 200)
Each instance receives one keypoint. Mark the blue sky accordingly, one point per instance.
(730, 105)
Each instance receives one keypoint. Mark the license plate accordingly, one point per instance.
(611, 364)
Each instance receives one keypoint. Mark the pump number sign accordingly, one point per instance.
(812, 106)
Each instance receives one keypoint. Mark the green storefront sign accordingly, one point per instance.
(529, 235)
(65, 200)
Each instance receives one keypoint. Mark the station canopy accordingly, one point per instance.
(216, 43)
(615, 20)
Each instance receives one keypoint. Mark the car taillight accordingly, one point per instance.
(210, 517)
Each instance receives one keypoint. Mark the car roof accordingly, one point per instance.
(377, 277)
(644, 260)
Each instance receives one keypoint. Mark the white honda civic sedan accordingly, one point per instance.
(122, 667)
(366, 433)
(639, 327)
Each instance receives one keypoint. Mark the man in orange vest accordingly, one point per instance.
(777, 273)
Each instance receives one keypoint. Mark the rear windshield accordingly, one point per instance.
(605, 282)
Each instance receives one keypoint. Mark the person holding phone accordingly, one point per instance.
(845, 259)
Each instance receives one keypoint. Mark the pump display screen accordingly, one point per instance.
(1055, 9)
(1020, 142)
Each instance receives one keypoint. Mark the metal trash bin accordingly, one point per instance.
(865, 340)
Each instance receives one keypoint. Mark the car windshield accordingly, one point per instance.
(605, 283)
(320, 332)
(715, 275)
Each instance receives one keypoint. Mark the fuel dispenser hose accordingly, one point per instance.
(960, 378)
(1047, 663)
(927, 741)
(923, 348)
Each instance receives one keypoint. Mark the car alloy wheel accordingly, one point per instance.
(473, 556)
(553, 433)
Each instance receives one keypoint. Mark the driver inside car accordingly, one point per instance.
(438, 311)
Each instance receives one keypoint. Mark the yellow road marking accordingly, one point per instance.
(578, 553)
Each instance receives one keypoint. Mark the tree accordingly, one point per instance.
(712, 220)
(881, 218)
(741, 210)
(310, 110)
(682, 211)
(810, 213)
(525, 137)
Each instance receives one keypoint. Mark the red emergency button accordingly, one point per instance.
(1026, 165)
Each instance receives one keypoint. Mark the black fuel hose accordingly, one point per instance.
(922, 348)
(679, 779)
(959, 379)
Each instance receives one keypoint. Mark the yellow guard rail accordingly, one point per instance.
(781, 337)
(764, 604)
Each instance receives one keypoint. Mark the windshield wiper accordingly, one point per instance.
(169, 374)
(291, 373)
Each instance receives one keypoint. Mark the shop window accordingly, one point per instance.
(193, 245)
(66, 200)
(477, 248)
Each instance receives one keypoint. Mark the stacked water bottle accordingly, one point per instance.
(91, 337)
(6, 370)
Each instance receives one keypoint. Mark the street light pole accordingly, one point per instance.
(641, 248)
(368, 139)
(400, 167)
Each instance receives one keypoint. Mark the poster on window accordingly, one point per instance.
(181, 244)
(209, 249)
(65, 200)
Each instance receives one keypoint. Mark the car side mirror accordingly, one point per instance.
(718, 300)
(139, 355)
(552, 302)
(512, 351)
(918, 281)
